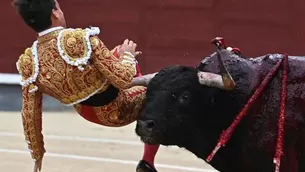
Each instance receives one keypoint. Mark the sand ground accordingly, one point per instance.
(75, 145)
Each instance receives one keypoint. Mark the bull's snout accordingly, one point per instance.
(145, 127)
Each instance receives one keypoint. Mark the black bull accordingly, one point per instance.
(179, 110)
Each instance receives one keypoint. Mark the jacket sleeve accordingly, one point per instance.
(31, 107)
(119, 71)
(79, 47)
(32, 122)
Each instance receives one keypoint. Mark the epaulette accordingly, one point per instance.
(28, 67)
(74, 45)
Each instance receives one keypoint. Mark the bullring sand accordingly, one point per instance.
(75, 145)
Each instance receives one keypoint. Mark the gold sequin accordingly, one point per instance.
(106, 53)
(79, 33)
(43, 70)
(94, 41)
(49, 75)
(71, 42)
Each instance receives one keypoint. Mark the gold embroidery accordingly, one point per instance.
(105, 53)
(25, 64)
(31, 108)
(49, 36)
(62, 81)
(65, 82)
(118, 73)
(69, 85)
(71, 42)
(74, 43)
(78, 107)
(95, 42)
(122, 111)
(32, 122)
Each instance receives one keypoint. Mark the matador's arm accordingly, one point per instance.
(31, 107)
(119, 71)
(32, 122)
(139, 79)
(80, 46)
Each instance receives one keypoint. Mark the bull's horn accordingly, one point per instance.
(214, 80)
(222, 81)
(142, 80)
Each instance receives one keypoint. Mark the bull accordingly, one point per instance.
(191, 107)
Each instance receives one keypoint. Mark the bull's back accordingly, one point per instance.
(296, 69)
(296, 72)
(296, 93)
(260, 128)
(296, 85)
(295, 104)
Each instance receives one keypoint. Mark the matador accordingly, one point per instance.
(75, 67)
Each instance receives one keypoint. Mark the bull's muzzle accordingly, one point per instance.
(145, 128)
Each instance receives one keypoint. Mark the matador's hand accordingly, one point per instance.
(37, 166)
(128, 46)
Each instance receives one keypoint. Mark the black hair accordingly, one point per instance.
(36, 13)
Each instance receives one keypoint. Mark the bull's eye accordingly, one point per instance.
(184, 98)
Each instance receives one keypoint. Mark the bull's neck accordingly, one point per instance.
(248, 74)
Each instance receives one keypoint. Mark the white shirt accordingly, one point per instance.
(49, 30)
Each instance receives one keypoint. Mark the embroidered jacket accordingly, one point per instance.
(70, 65)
